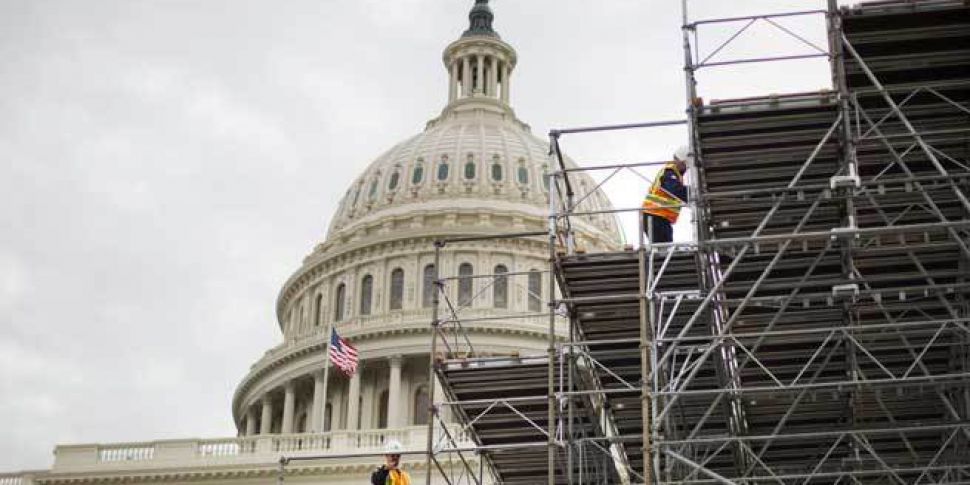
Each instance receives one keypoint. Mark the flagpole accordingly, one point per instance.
(322, 412)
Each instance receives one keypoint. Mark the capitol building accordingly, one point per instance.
(474, 170)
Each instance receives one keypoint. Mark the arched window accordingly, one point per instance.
(373, 189)
(470, 168)
(397, 289)
(465, 285)
(393, 181)
(417, 176)
(317, 307)
(500, 288)
(338, 302)
(427, 286)
(443, 170)
(523, 175)
(366, 294)
(382, 411)
(497, 172)
(356, 196)
(345, 205)
(535, 291)
(545, 178)
(421, 404)
(327, 417)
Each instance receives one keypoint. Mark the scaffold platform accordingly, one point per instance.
(504, 402)
(817, 331)
(603, 291)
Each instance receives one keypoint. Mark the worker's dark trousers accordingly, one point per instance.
(663, 230)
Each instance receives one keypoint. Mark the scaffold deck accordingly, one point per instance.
(504, 401)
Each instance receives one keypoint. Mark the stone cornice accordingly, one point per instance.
(427, 209)
(212, 472)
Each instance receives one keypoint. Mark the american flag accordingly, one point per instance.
(342, 354)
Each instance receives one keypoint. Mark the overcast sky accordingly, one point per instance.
(166, 164)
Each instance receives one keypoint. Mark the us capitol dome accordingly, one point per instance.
(476, 169)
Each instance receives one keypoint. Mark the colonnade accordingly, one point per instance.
(290, 408)
(481, 75)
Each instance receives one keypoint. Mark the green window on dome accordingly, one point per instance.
(427, 286)
(535, 291)
(443, 171)
(338, 304)
(373, 189)
(497, 172)
(397, 289)
(356, 197)
(523, 175)
(500, 287)
(469, 170)
(465, 284)
(366, 294)
(392, 183)
(418, 175)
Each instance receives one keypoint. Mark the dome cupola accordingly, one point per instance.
(479, 64)
(475, 157)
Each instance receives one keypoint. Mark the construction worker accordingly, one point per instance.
(661, 205)
(390, 473)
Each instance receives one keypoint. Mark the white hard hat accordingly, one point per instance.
(393, 447)
(683, 154)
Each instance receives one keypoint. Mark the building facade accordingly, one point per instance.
(476, 169)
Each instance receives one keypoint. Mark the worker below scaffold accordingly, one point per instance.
(662, 204)
(391, 473)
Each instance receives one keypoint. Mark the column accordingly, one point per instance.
(339, 394)
(353, 401)
(453, 81)
(316, 412)
(466, 77)
(493, 77)
(480, 68)
(266, 420)
(369, 396)
(394, 393)
(288, 403)
(250, 421)
(505, 82)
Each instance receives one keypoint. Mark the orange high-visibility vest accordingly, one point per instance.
(658, 202)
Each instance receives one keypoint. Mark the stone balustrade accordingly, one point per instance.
(248, 449)
(21, 478)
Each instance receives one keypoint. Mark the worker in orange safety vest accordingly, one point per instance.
(661, 205)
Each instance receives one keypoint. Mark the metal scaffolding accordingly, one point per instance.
(818, 328)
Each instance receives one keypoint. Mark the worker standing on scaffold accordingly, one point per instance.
(661, 205)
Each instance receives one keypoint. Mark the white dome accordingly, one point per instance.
(474, 170)
(471, 157)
